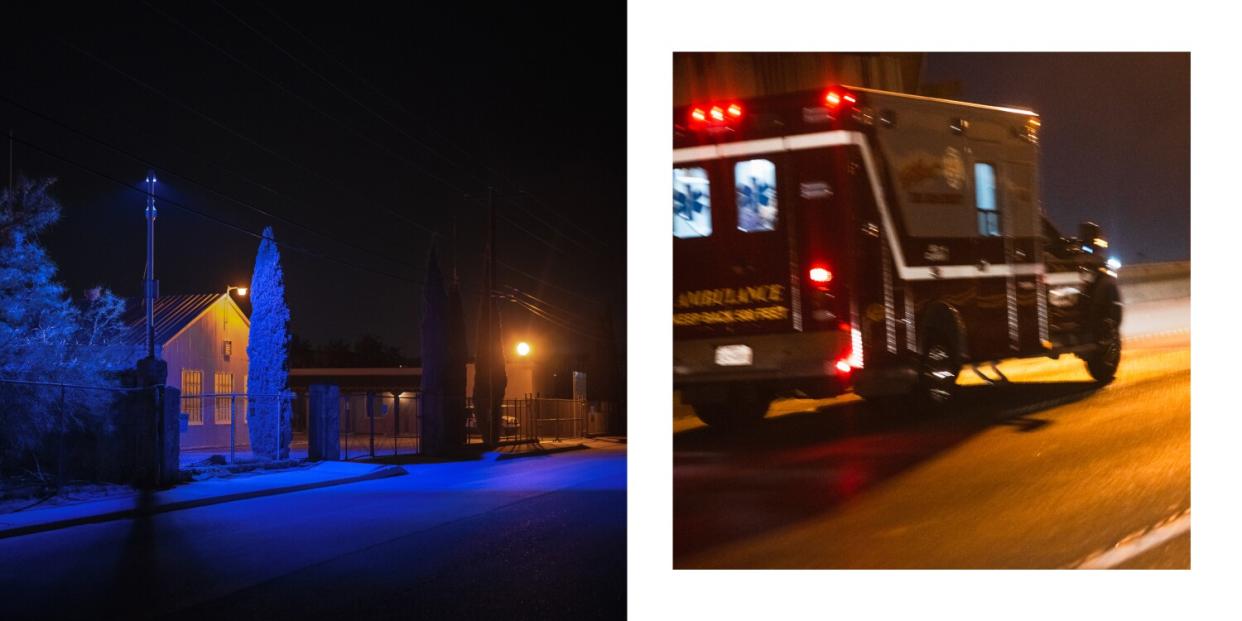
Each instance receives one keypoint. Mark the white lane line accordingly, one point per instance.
(1138, 543)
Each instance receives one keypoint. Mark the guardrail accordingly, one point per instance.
(1154, 271)
(1147, 282)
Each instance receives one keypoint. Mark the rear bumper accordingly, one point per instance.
(890, 381)
(787, 362)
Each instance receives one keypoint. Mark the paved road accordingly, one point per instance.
(529, 538)
(1046, 472)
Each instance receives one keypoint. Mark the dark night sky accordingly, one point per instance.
(1115, 138)
(514, 94)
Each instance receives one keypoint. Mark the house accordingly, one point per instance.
(203, 338)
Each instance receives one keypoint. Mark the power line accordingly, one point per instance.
(247, 205)
(210, 217)
(546, 316)
(541, 309)
(232, 131)
(404, 109)
(200, 184)
(417, 167)
(268, 150)
(539, 280)
(338, 89)
(548, 306)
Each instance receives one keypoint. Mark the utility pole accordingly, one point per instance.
(149, 279)
(497, 412)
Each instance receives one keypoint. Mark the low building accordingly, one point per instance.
(394, 404)
(203, 338)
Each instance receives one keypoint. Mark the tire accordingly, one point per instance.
(939, 364)
(1103, 361)
(738, 412)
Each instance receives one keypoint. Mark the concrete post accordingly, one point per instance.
(170, 437)
(323, 427)
(156, 430)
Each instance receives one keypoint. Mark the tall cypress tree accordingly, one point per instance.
(434, 359)
(455, 370)
(268, 351)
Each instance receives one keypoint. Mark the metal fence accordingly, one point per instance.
(557, 419)
(517, 422)
(54, 433)
(380, 423)
(212, 421)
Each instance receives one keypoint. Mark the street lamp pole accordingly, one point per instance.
(149, 281)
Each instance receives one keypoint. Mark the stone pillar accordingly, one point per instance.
(323, 425)
(156, 429)
(169, 438)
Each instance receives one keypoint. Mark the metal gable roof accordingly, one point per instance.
(172, 314)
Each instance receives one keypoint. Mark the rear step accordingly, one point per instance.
(1002, 379)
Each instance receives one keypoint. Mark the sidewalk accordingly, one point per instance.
(388, 449)
(227, 487)
(195, 494)
(550, 447)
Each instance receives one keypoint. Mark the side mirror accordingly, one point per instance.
(1090, 236)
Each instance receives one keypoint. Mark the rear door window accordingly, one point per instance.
(692, 203)
(985, 200)
(755, 183)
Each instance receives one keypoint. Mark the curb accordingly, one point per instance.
(382, 473)
(541, 452)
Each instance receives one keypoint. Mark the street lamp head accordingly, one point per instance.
(523, 349)
(240, 290)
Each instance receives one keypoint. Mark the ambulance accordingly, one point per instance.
(852, 239)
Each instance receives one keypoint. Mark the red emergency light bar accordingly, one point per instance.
(715, 115)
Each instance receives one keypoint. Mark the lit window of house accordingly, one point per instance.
(191, 388)
(224, 398)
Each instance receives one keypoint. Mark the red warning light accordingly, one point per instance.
(820, 275)
(716, 115)
(835, 97)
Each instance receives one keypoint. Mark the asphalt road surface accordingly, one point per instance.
(1048, 471)
(529, 538)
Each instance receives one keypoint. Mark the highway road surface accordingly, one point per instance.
(1048, 471)
(530, 538)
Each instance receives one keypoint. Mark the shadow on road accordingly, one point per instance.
(137, 572)
(733, 484)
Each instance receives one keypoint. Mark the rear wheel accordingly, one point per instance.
(938, 367)
(743, 408)
(1103, 361)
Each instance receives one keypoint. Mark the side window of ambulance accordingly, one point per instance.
(755, 182)
(692, 203)
(985, 200)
